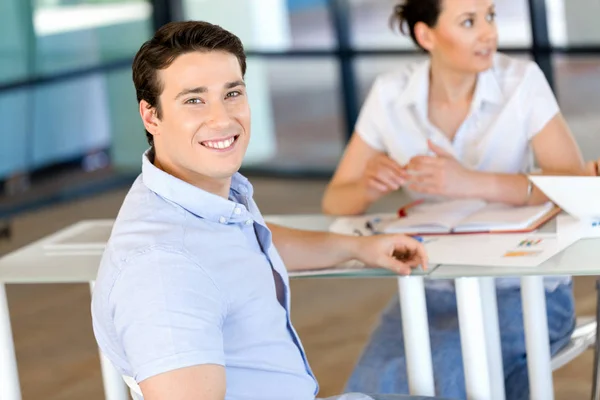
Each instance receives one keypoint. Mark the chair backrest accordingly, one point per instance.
(135, 390)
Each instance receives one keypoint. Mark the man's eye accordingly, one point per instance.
(491, 17)
(235, 93)
(193, 101)
(468, 23)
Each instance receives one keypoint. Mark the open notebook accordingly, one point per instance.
(466, 216)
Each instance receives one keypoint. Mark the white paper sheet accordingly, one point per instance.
(496, 250)
(569, 225)
(579, 196)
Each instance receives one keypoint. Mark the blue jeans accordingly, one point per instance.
(382, 366)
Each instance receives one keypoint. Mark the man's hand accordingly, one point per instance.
(439, 175)
(382, 175)
(398, 253)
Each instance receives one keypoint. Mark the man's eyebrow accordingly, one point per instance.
(196, 90)
(233, 84)
(203, 89)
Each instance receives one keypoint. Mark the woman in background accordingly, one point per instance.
(465, 123)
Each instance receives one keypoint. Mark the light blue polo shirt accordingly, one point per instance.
(189, 278)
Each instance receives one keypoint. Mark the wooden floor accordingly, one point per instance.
(55, 347)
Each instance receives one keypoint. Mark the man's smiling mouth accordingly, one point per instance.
(221, 144)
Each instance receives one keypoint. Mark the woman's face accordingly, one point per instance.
(465, 37)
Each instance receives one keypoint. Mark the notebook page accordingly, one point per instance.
(432, 217)
(497, 216)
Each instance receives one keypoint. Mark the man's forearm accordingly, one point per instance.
(312, 250)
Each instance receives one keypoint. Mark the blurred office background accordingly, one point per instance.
(69, 113)
(71, 139)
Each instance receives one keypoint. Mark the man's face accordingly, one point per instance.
(204, 128)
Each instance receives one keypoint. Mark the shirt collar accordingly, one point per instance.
(195, 200)
(487, 89)
(417, 89)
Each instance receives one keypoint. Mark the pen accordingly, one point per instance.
(370, 227)
(418, 239)
(402, 210)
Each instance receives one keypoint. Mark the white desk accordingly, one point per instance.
(581, 258)
(35, 263)
(73, 255)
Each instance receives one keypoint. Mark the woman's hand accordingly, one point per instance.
(593, 168)
(382, 175)
(441, 174)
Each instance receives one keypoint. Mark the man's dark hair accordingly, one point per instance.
(407, 13)
(169, 42)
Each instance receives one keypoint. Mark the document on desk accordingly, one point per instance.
(579, 196)
(496, 250)
(584, 228)
(449, 217)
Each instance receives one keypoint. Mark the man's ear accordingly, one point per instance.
(149, 117)
(424, 36)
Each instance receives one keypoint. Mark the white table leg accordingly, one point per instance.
(472, 339)
(114, 386)
(489, 306)
(536, 337)
(415, 329)
(9, 374)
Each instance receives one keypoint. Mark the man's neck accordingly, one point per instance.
(220, 187)
(449, 86)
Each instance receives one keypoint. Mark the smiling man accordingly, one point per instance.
(192, 298)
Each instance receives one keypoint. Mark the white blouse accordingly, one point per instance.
(512, 103)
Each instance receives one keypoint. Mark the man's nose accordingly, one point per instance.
(218, 117)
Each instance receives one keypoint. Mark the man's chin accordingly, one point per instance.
(226, 173)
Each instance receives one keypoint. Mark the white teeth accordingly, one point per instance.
(221, 144)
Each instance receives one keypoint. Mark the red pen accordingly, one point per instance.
(402, 211)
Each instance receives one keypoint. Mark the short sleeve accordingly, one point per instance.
(369, 125)
(539, 99)
(168, 314)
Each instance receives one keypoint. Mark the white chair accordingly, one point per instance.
(134, 389)
(583, 337)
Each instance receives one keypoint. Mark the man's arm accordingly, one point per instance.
(201, 382)
(168, 312)
(312, 250)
